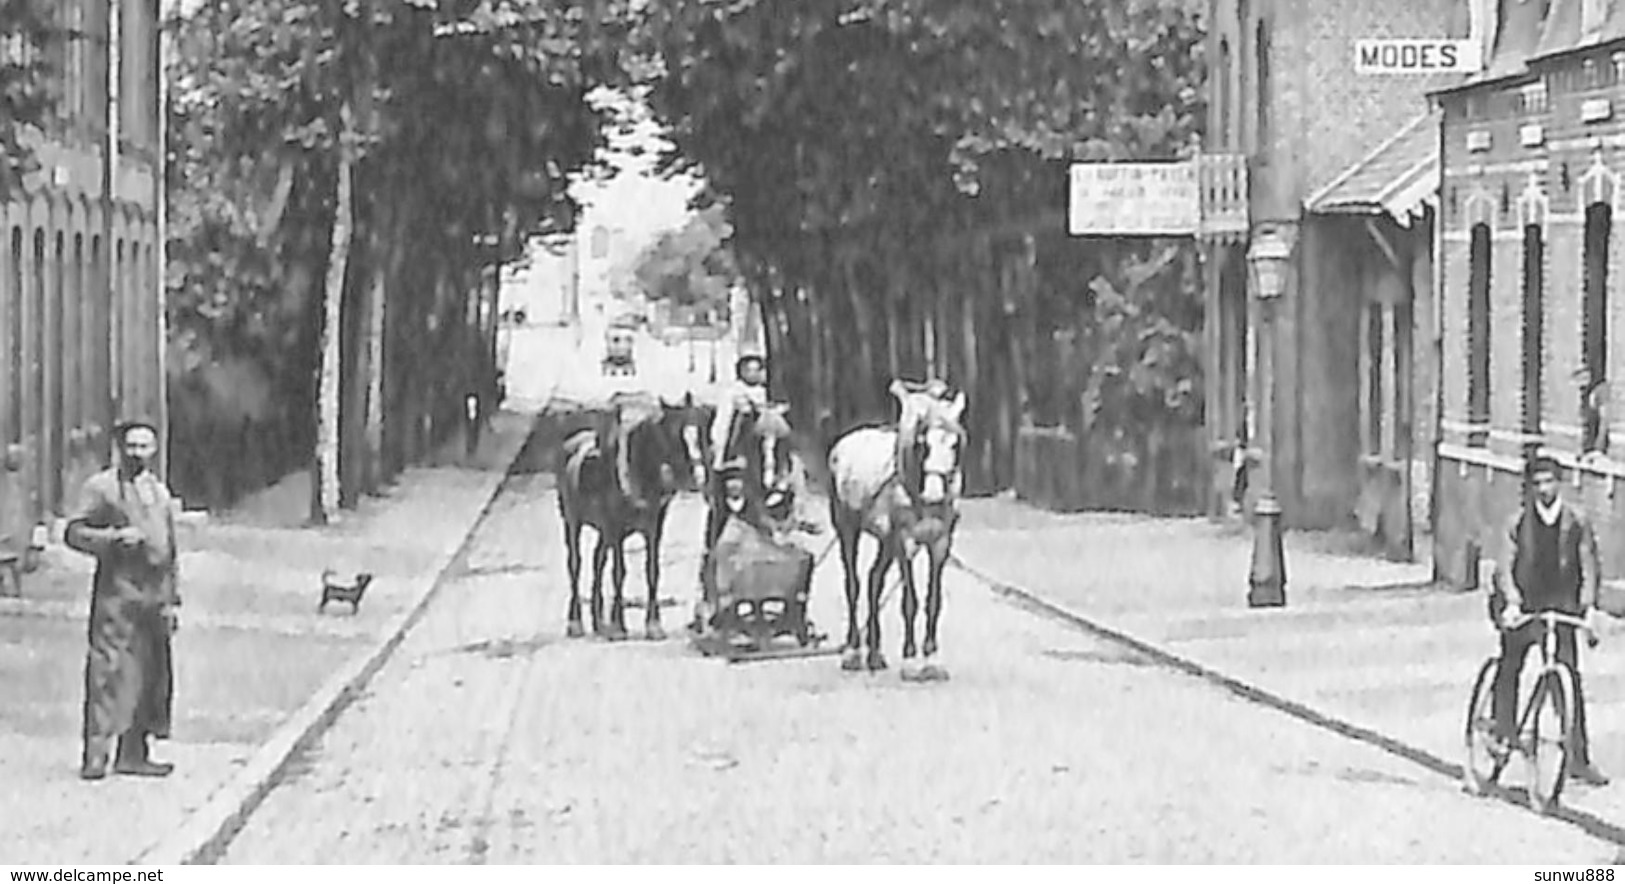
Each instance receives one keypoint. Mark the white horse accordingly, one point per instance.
(901, 486)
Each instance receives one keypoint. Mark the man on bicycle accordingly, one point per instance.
(1549, 563)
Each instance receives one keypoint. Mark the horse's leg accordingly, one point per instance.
(572, 560)
(600, 554)
(877, 584)
(617, 607)
(911, 608)
(651, 572)
(848, 535)
(933, 671)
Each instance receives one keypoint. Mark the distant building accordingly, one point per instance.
(81, 282)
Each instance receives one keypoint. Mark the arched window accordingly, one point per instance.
(14, 341)
(55, 362)
(1599, 223)
(1478, 333)
(1222, 138)
(1534, 291)
(1262, 47)
(78, 342)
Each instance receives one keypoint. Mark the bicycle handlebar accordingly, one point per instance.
(1555, 618)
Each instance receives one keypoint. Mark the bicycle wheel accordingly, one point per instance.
(1484, 762)
(1545, 735)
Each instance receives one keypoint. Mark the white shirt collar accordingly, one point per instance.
(1549, 514)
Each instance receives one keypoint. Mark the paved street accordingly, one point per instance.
(491, 738)
(1359, 640)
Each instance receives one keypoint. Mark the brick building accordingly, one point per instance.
(80, 266)
(1533, 152)
(1342, 168)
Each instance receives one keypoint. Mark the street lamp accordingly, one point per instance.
(1266, 578)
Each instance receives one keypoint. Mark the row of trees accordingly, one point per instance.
(345, 179)
(895, 174)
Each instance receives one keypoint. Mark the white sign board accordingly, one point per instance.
(1418, 57)
(1134, 199)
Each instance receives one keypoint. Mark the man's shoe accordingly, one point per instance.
(143, 768)
(1588, 775)
(132, 759)
(94, 766)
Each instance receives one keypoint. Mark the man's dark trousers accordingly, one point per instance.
(1515, 646)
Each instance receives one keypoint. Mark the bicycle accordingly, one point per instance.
(1542, 741)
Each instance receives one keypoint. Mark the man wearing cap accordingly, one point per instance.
(125, 519)
(1549, 563)
(749, 392)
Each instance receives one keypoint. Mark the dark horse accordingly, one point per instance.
(900, 485)
(621, 480)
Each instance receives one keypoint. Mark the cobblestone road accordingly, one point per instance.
(491, 738)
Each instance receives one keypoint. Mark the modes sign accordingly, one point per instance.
(1417, 56)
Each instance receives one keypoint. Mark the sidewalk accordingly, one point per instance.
(251, 651)
(1361, 640)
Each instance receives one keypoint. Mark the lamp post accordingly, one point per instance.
(1267, 575)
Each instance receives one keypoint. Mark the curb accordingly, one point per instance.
(1589, 823)
(206, 832)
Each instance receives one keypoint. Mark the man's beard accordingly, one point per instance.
(135, 465)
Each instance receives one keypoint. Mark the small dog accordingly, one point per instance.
(338, 592)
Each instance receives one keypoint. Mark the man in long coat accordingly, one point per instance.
(125, 519)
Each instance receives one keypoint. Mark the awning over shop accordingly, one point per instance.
(1400, 177)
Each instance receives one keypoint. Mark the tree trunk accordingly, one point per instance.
(861, 322)
(894, 298)
(373, 424)
(324, 500)
(970, 303)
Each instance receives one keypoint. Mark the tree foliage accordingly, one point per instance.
(883, 161)
(26, 97)
(693, 265)
(468, 121)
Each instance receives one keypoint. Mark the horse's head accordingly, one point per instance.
(656, 455)
(930, 441)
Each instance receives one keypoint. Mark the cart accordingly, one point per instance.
(754, 597)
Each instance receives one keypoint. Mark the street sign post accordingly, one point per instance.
(1134, 199)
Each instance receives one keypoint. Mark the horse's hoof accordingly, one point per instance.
(851, 661)
(616, 634)
(654, 633)
(933, 672)
(574, 630)
(910, 671)
(877, 661)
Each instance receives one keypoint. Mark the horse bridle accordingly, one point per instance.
(916, 443)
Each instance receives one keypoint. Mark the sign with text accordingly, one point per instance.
(1385, 56)
(1134, 199)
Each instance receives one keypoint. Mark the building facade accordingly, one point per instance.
(81, 267)
(1533, 151)
(1339, 168)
